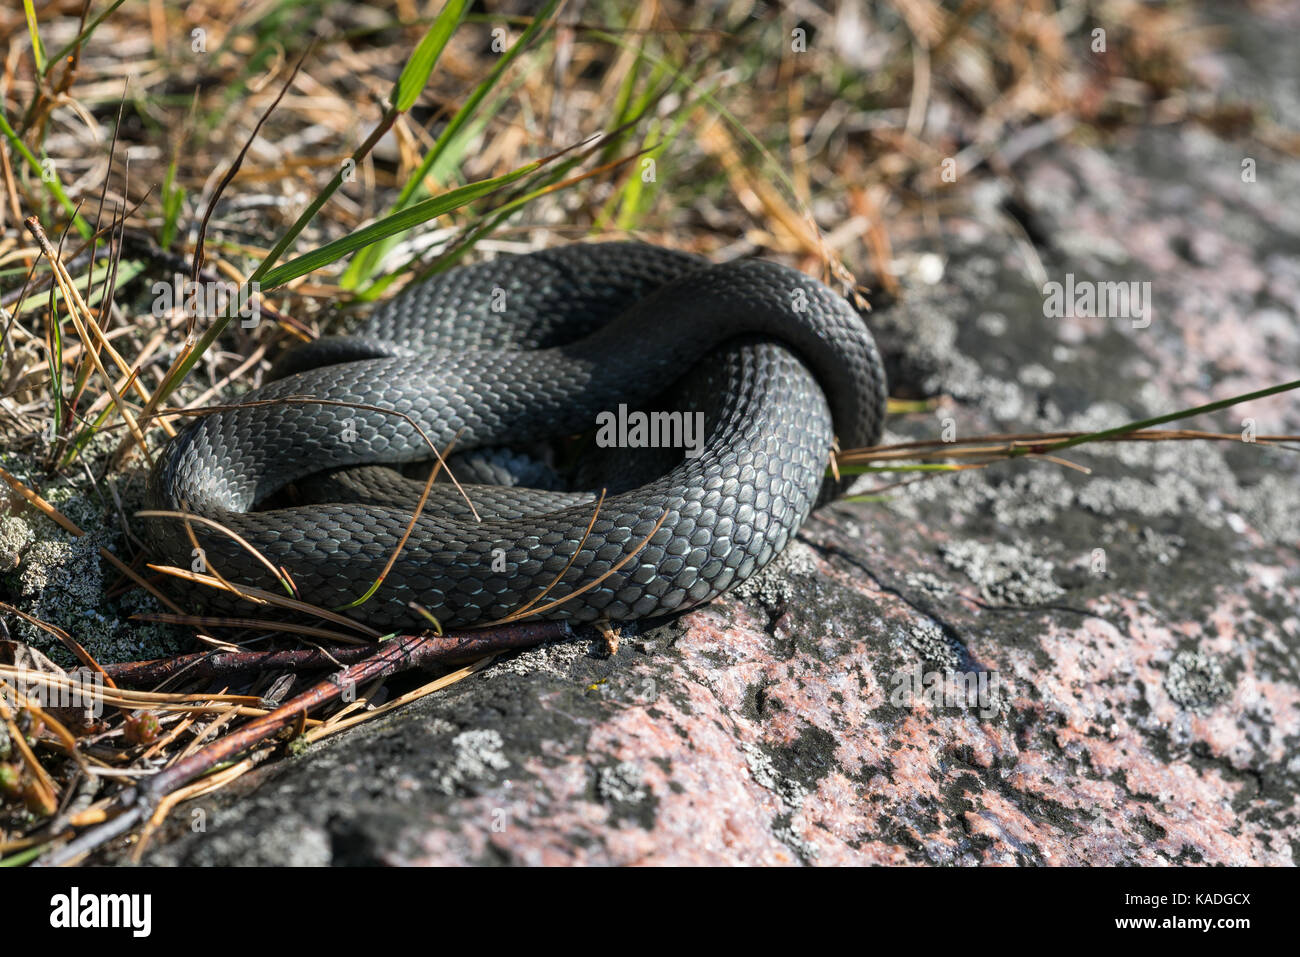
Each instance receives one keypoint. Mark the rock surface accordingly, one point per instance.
(1132, 632)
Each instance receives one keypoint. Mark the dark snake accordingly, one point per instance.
(507, 354)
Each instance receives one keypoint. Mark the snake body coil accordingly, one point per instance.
(508, 353)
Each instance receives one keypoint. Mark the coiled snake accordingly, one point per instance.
(509, 353)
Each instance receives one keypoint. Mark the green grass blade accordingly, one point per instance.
(390, 225)
(84, 35)
(545, 183)
(1105, 434)
(629, 204)
(420, 66)
(481, 91)
(52, 185)
(25, 856)
(774, 166)
(55, 363)
(173, 201)
(441, 171)
(363, 266)
(415, 75)
(331, 252)
(38, 52)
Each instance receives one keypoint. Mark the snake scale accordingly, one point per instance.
(507, 354)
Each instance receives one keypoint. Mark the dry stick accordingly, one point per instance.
(83, 366)
(105, 310)
(339, 722)
(121, 697)
(1001, 444)
(139, 802)
(452, 648)
(213, 783)
(110, 279)
(63, 404)
(335, 725)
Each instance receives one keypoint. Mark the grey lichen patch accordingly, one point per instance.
(1181, 479)
(1035, 495)
(1172, 495)
(991, 323)
(773, 586)
(1158, 547)
(792, 795)
(622, 788)
(764, 771)
(60, 578)
(62, 574)
(783, 829)
(476, 755)
(556, 658)
(934, 647)
(1196, 681)
(16, 534)
(81, 507)
(1030, 497)
(928, 582)
(1272, 506)
(295, 844)
(1036, 376)
(1006, 574)
(622, 783)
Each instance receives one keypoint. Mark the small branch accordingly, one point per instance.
(399, 654)
(442, 650)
